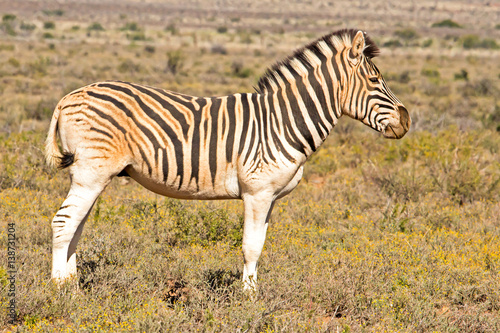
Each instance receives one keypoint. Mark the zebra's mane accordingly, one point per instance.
(302, 58)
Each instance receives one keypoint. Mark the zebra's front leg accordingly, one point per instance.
(67, 227)
(257, 212)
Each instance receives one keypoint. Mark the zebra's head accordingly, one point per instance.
(366, 96)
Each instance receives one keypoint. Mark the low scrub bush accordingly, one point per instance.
(447, 24)
(406, 34)
(218, 49)
(483, 87)
(474, 42)
(131, 26)
(49, 25)
(175, 61)
(96, 26)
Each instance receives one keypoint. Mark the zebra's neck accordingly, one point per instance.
(302, 110)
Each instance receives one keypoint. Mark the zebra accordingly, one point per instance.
(248, 146)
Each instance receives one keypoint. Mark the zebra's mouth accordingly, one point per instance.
(397, 131)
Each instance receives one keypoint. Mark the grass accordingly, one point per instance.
(349, 252)
(380, 236)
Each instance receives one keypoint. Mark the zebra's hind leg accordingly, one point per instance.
(257, 213)
(68, 223)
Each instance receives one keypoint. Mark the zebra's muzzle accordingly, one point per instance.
(393, 131)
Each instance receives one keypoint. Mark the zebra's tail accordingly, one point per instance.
(53, 155)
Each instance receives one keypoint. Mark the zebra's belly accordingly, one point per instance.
(229, 189)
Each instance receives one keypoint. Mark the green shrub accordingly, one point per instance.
(49, 25)
(8, 18)
(430, 72)
(218, 49)
(447, 24)
(55, 12)
(428, 42)
(128, 66)
(14, 62)
(47, 35)
(222, 29)
(27, 26)
(149, 49)
(392, 43)
(246, 38)
(8, 28)
(406, 34)
(239, 71)
(96, 26)
(489, 43)
(174, 61)
(483, 87)
(473, 42)
(7, 24)
(131, 26)
(462, 75)
(493, 119)
(137, 36)
(172, 29)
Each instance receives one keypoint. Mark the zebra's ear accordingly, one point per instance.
(358, 45)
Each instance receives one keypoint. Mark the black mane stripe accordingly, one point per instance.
(370, 51)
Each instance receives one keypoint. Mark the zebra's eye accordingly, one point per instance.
(373, 79)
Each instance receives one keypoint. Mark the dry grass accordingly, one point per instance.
(380, 236)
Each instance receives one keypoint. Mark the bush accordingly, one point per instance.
(447, 24)
(493, 118)
(474, 42)
(174, 61)
(55, 12)
(49, 25)
(222, 29)
(14, 62)
(27, 26)
(246, 38)
(131, 26)
(239, 71)
(428, 42)
(40, 66)
(149, 49)
(429, 72)
(137, 36)
(462, 75)
(172, 29)
(96, 26)
(218, 49)
(8, 28)
(483, 87)
(392, 43)
(8, 18)
(406, 34)
(47, 35)
(128, 66)
(404, 77)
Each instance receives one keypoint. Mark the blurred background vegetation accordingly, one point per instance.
(380, 235)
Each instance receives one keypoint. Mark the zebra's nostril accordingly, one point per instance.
(404, 117)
